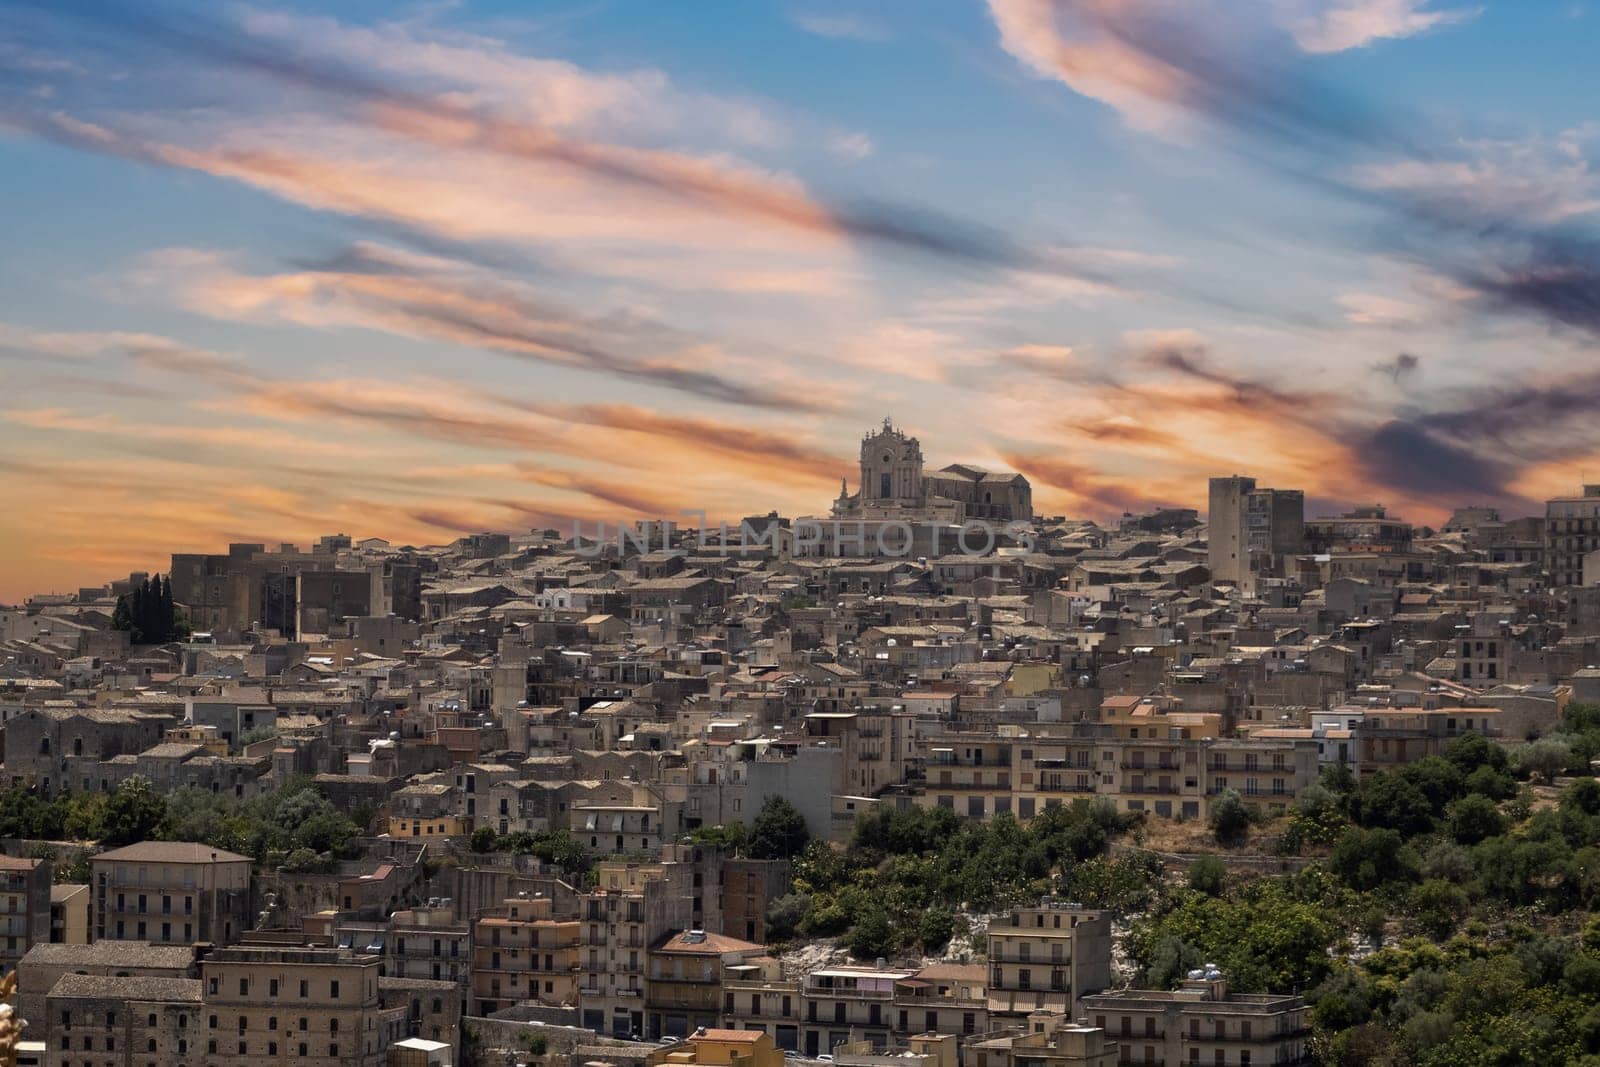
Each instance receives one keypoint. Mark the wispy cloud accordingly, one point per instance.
(381, 289)
(1338, 25)
(354, 88)
(840, 25)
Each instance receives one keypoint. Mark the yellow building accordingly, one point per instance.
(69, 914)
(206, 736)
(721, 1048)
(430, 827)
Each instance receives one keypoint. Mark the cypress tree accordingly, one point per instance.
(138, 613)
(168, 630)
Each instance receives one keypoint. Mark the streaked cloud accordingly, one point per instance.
(840, 25)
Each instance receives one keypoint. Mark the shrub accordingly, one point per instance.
(1230, 819)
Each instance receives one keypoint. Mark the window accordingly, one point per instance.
(333, 989)
(272, 988)
(305, 988)
(244, 987)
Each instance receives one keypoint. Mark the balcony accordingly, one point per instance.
(822, 993)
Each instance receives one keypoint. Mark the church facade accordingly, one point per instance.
(894, 486)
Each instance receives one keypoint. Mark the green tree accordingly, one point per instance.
(1473, 818)
(1208, 875)
(872, 936)
(1230, 818)
(1544, 758)
(779, 831)
(483, 839)
(1368, 859)
(1438, 907)
(132, 814)
(785, 915)
(1582, 795)
(1395, 802)
(935, 929)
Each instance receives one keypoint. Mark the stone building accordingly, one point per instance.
(171, 892)
(893, 486)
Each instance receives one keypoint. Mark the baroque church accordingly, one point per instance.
(895, 487)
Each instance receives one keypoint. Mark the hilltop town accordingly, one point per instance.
(926, 780)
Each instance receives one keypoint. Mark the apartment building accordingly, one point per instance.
(24, 908)
(171, 892)
(265, 1005)
(943, 998)
(684, 990)
(756, 995)
(1050, 1041)
(521, 952)
(1571, 534)
(632, 907)
(1170, 765)
(1392, 737)
(428, 942)
(848, 1004)
(1202, 1022)
(1046, 958)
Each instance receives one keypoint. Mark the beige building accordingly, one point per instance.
(70, 914)
(267, 1005)
(24, 908)
(1047, 958)
(1170, 765)
(684, 990)
(1201, 1022)
(842, 1005)
(1050, 1041)
(632, 906)
(521, 953)
(171, 892)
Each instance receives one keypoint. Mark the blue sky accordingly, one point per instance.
(272, 271)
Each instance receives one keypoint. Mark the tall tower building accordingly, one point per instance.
(1252, 529)
(1229, 548)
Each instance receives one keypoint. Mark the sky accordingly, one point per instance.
(414, 270)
